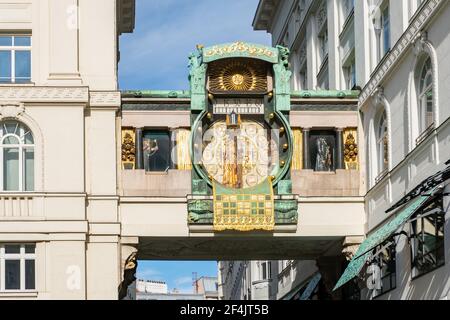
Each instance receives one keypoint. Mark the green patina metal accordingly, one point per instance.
(201, 212)
(158, 94)
(285, 187)
(282, 75)
(325, 94)
(197, 80)
(240, 50)
(382, 234)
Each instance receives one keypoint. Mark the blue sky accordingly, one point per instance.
(155, 57)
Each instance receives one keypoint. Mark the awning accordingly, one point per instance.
(304, 290)
(312, 285)
(379, 236)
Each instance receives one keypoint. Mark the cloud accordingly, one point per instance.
(156, 55)
(149, 274)
(183, 281)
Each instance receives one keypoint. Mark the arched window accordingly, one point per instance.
(382, 144)
(17, 157)
(425, 96)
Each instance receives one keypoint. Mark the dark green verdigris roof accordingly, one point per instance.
(185, 94)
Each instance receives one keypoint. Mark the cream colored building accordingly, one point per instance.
(396, 53)
(59, 215)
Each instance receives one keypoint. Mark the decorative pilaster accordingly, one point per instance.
(339, 149)
(139, 149)
(306, 157)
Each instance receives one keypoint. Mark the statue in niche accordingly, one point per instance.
(323, 156)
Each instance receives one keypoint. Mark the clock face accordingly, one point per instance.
(239, 157)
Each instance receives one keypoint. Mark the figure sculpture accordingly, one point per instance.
(324, 155)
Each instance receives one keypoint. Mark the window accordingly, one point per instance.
(414, 5)
(323, 46)
(382, 145)
(425, 98)
(386, 30)
(427, 238)
(385, 262)
(322, 150)
(304, 78)
(17, 267)
(382, 27)
(350, 75)
(156, 150)
(17, 157)
(347, 8)
(15, 59)
(265, 270)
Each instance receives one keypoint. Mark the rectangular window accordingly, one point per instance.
(386, 31)
(265, 270)
(15, 59)
(157, 150)
(385, 262)
(17, 267)
(350, 75)
(347, 8)
(427, 238)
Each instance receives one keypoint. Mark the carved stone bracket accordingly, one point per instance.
(11, 109)
(350, 246)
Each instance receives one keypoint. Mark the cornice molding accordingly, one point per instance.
(104, 99)
(44, 94)
(406, 40)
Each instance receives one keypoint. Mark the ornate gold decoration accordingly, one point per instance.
(285, 146)
(297, 158)
(238, 162)
(350, 149)
(240, 47)
(244, 209)
(271, 116)
(183, 155)
(237, 75)
(128, 149)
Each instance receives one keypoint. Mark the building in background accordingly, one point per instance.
(395, 51)
(208, 287)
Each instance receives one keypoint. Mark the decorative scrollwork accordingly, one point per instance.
(128, 149)
(351, 149)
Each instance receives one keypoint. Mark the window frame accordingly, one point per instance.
(12, 49)
(391, 275)
(147, 131)
(382, 146)
(422, 99)
(422, 214)
(22, 256)
(21, 147)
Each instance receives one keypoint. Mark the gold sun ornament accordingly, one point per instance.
(237, 75)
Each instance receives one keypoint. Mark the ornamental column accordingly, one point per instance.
(306, 157)
(340, 148)
(139, 149)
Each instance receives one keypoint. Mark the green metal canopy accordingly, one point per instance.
(312, 285)
(379, 236)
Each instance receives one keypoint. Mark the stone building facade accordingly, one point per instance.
(395, 52)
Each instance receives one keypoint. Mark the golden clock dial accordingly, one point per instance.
(237, 157)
